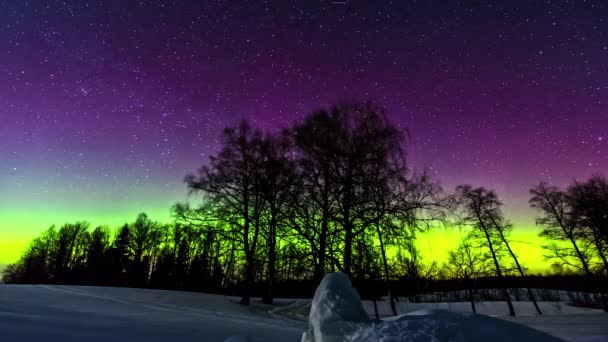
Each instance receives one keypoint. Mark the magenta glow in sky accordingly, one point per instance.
(105, 105)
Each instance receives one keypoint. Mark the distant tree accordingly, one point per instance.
(33, 267)
(559, 225)
(589, 202)
(408, 260)
(211, 240)
(64, 256)
(502, 227)
(411, 204)
(13, 273)
(145, 236)
(479, 206)
(97, 263)
(467, 262)
(120, 255)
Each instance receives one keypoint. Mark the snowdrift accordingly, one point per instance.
(337, 314)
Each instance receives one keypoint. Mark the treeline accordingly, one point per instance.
(331, 193)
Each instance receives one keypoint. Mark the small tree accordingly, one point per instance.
(467, 262)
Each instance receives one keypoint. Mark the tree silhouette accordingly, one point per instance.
(145, 236)
(468, 262)
(559, 225)
(479, 209)
(277, 173)
(97, 267)
(367, 146)
(120, 255)
(313, 207)
(589, 202)
(233, 184)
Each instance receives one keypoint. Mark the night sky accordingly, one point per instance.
(106, 105)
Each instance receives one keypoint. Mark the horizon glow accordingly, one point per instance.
(104, 107)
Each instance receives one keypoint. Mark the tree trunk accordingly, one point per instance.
(348, 248)
(521, 271)
(246, 299)
(248, 272)
(498, 272)
(271, 260)
(604, 275)
(600, 250)
(386, 272)
(376, 308)
(469, 284)
(319, 270)
(580, 256)
(250, 264)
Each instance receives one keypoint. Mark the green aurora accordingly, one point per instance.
(20, 224)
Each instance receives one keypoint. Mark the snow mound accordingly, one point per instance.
(337, 315)
(336, 310)
(442, 325)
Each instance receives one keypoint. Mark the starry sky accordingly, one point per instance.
(105, 105)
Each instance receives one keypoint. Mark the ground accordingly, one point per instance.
(73, 313)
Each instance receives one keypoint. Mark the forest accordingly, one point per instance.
(333, 192)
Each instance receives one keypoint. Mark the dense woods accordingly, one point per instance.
(332, 193)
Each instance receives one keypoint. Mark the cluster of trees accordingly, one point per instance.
(143, 253)
(575, 224)
(327, 189)
(331, 193)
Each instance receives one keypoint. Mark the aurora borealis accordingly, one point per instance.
(106, 105)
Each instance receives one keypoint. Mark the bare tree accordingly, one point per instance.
(559, 225)
(232, 183)
(589, 201)
(478, 206)
(368, 146)
(313, 204)
(145, 236)
(277, 173)
(502, 228)
(468, 262)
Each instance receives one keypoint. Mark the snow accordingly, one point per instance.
(497, 309)
(77, 313)
(72, 313)
(441, 325)
(237, 338)
(336, 310)
(337, 314)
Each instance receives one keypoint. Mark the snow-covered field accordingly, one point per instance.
(73, 313)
